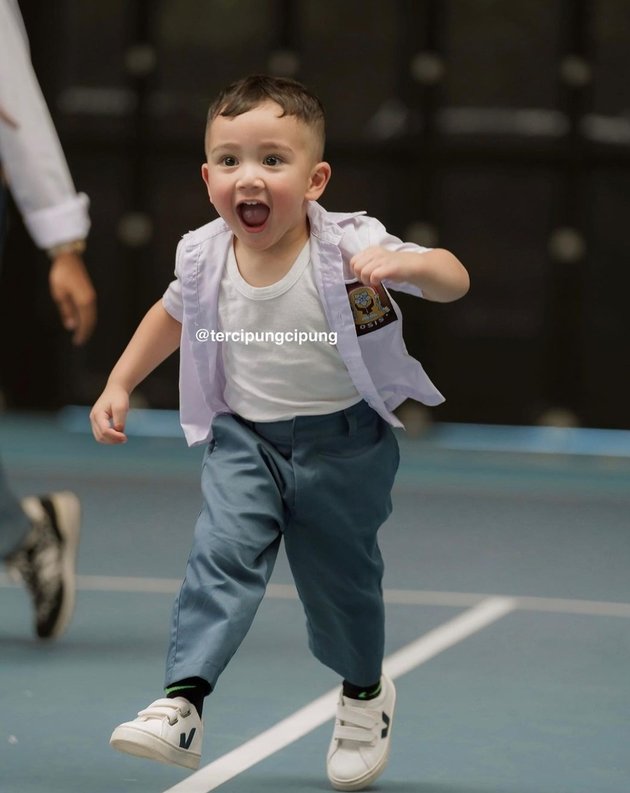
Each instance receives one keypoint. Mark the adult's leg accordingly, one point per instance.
(14, 524)
(39, 538)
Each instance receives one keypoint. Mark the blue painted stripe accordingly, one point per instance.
(538, 440)
(140, 422)
(455, 437)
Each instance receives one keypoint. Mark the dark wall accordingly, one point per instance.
(499, 129)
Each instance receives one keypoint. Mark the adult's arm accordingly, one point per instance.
(30, 152)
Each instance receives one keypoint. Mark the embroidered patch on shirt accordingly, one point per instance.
(371, 307)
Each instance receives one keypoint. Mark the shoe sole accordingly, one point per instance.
(67, 509)
(129, 740)
(364, 781)
(361, 782)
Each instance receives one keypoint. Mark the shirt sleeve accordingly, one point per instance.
(30, 152)
(172, 298)
(377, 234)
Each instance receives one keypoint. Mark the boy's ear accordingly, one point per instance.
(320, 176)
(204, 176)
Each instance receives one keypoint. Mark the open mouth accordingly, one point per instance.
(253, 214)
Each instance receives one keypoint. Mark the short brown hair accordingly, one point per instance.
(293, 97)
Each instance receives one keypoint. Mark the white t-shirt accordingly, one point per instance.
(272, 374)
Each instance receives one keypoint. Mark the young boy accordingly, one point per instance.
(292, 361)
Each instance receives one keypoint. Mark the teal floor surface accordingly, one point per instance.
(536, 702)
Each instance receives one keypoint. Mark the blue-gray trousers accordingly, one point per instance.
(14, 525)
(324, 484)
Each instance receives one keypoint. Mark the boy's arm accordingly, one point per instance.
(157, 337)
(437, 273)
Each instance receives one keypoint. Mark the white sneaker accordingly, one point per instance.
(169, 731)
(359, 748)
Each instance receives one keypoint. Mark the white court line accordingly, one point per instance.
(322, 709)
(395, 597)
(595, 608)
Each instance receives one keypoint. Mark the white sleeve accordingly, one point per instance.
(172, 298)
(378, 235)
(30, 152)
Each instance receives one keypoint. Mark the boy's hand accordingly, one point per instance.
(109, 414)
(376, 264)
(437, 272)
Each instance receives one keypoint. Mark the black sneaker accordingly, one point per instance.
(46, 560)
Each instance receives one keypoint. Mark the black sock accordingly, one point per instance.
(194, 689)
(361, 692)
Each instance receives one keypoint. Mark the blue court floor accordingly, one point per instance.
(508, 599)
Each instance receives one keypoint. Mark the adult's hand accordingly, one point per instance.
(73, 292)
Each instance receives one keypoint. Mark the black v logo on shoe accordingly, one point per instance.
(184, 743)
(385, 729)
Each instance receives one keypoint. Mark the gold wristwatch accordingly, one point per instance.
(75, 246)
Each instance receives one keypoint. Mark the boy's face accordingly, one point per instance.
(261, 170)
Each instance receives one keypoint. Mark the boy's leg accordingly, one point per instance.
(343, 498)
(235, 545)
(234, 550)
(343, 487)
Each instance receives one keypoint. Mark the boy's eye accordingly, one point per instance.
(228, 160)
(272, 159)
